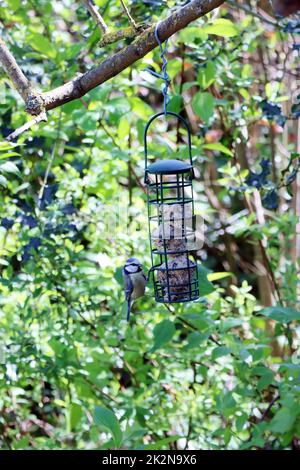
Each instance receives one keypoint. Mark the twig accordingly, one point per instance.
(266, 412)
(14, 72)
(50, 160)
(182, 53)
(131, 20)
(41, 117)
(138, 181)
(96, 15)
(96, 387)
(267, 263)
(190, 428)
(251, 12)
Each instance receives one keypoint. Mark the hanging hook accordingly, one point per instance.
(164, 75)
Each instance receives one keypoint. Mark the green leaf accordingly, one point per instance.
(9, 154)
(20, 444)
(75, 414)
(3, 181)
(86, 121)
(118, 275)
(140, 108)
(240, 422)
(203, 105)
(265, 380)
(14, 4)
(188, 35)
(205, 286)
(217, 276)
(157, 445)
(163, 333)
(227, 436)
(219, 147)
(123, 128)
(283, 420)
(7, 146)
(220, 351)
(281, 314)
(56, 346)
(105, 417)
(222, 27)
(229, 323)
(10, 167)
(195, 339)
(40, 43)
(272, 90)
(294, 155)
(207, 75)
(176, 104)
(225, 403)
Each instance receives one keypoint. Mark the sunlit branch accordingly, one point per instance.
(96, 15)
(115, 64)
(13, 71)
(131, 20)
(14, 135)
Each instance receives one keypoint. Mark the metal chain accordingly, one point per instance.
(164, 75)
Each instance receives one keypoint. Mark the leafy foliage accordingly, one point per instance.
(220, 373)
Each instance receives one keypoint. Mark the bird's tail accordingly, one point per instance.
(128, 309)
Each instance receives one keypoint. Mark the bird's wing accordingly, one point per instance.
(128, 286)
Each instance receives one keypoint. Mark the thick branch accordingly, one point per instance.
(37, 104)
(96, 15)
(13, 71)
(115, 64)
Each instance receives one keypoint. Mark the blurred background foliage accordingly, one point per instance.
(221, 373)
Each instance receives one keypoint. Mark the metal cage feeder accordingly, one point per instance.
(172, 224)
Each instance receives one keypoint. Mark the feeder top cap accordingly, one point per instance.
(169, 167)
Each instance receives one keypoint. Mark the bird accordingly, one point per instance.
(134, 282)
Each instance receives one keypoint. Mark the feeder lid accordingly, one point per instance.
(169, 167)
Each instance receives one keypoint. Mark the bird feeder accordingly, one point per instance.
(172, 223)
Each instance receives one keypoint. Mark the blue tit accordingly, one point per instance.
(134, 282)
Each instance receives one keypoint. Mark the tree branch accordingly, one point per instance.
(96, 15)
(126, 33)
(266, 19)
(267, 410)
(126, 10)
(13, 71)
(14, 135)
(38, 103)
(115, 64)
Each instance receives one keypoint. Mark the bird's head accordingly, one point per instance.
(132, 266)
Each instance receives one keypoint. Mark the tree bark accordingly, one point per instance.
(115, 64)
(38, 103)
(13, 71)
